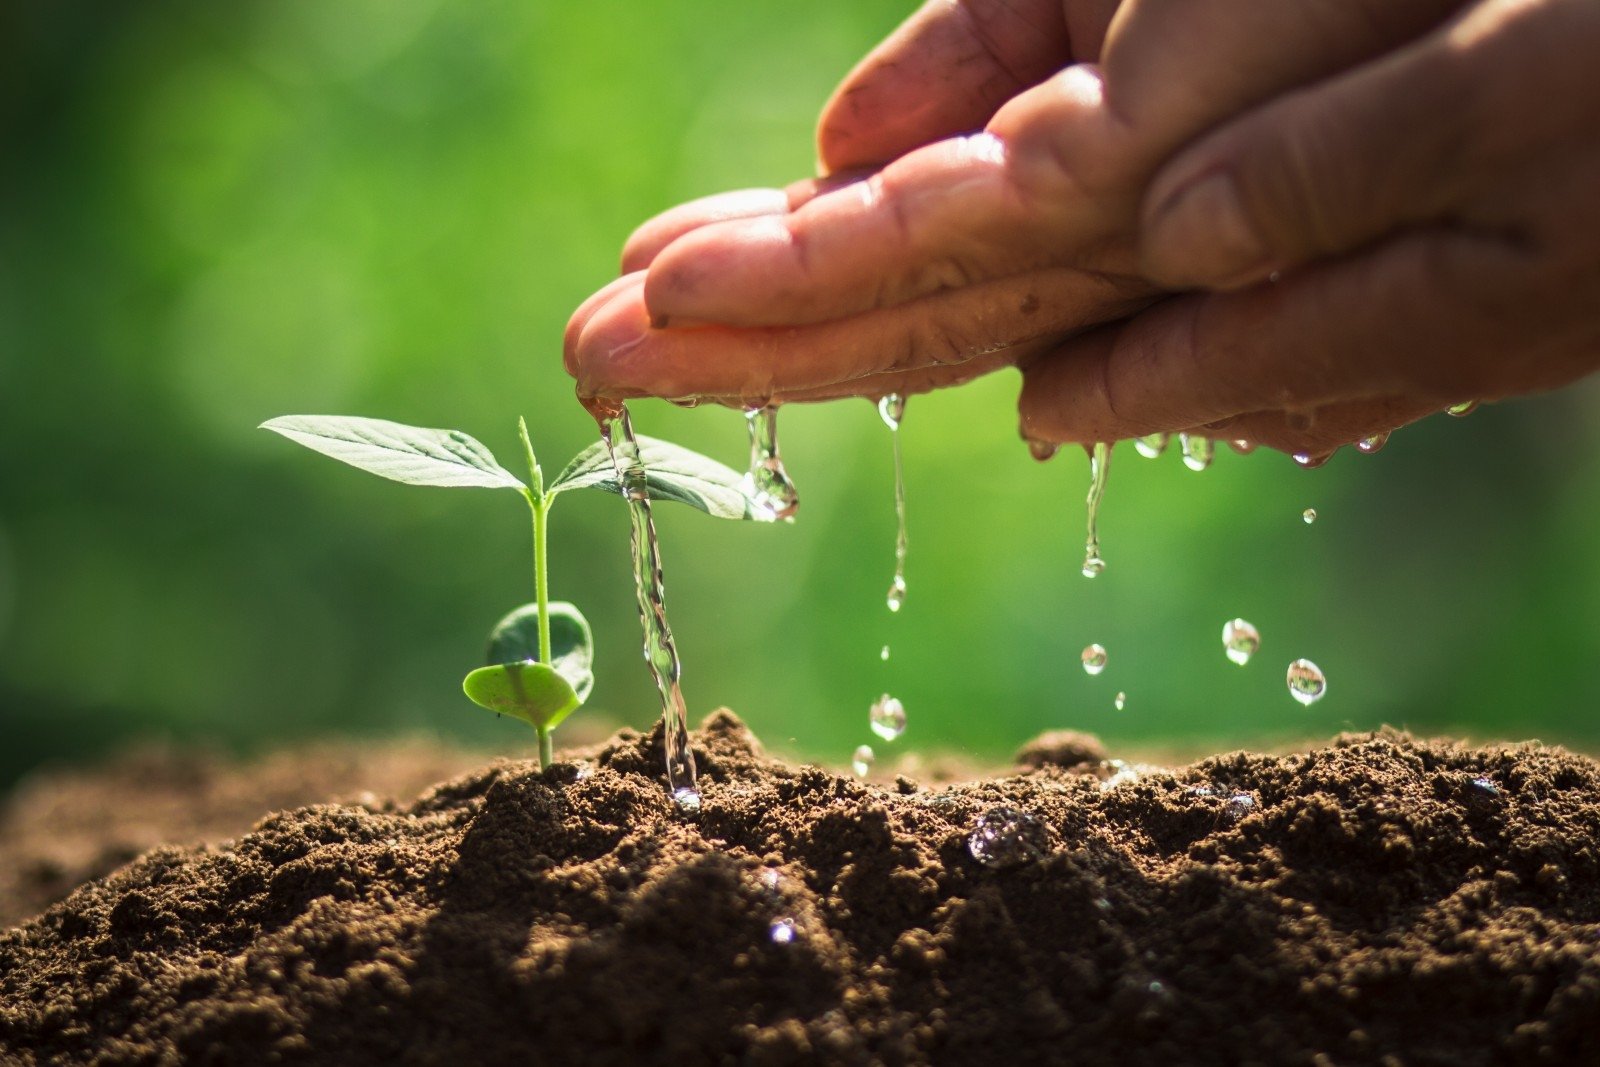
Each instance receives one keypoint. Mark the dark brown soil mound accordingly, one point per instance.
(1384, 900)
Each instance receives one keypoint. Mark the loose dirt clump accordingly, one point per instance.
(1381, 900)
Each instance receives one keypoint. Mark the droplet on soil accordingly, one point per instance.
(1006, 837)
(687, 799)
(1240, 640)
(782, 931)
(1238, 806)
(888, 718)
(1094, 659)
(861, 760)
(1306, 682)
(1484, 787)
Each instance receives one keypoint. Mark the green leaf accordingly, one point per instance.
(532, 692)
(515, 639)
(672, 472)
(409, 454)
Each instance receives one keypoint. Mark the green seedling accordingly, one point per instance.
(541, 655)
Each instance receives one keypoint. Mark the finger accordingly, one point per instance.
(618, 354)
(915, 382)
(650, 238)
(1414, 317)
(580, 318)
(961, 211)
(943, 72)
(1328, 428)
(1322, 171)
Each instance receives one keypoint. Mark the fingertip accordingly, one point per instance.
(701, 277)
(612, 328)
(646, 242)
(580, 318)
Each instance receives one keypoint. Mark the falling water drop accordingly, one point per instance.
(1006, 837)
(1197, 451)
(1121, 702)
(888, 718)
(1240, 640)
(1306, 682)
(1309, 515)
(660, 651)
(892, 409)
(1372, 444)
(883, 653)
(766, 483)
(861, 760)
(1099, 467)
(1465, 408)
(1151, 445)
(1094, 660)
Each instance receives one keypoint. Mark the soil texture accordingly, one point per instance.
(1382, 900)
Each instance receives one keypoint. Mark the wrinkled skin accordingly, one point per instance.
(1297, 224)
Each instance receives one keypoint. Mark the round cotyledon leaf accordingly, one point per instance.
(515, 639)
(531, 691)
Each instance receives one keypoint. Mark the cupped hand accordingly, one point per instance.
(1431, 220)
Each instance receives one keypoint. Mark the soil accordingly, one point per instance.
(1381, 900)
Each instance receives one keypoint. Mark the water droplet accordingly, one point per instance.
(1094, 659)
(861, 760)
(767, 483)
(1306, 682)
(1244, 448)
(892, 408)
(1312, 462)
(1484, 787)
(1121, 702)
(1042, 450)
(1240, 640)
(660, 651)
(888, 718)
(883, 653)
(1465, 408)
(1372, 444)
(1197, 451)
(1309, 515)
(1006, 837)
(782, 931)
(896, 596)
(1238, 806)
(1151, 445)
(1099, 467)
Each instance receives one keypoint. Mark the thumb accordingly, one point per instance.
(1321, 171)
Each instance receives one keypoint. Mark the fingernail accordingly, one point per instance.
(1201, 236)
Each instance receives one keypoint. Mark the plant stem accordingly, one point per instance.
(547, 752)
(540, 505)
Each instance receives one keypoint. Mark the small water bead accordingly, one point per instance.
(687, 799)
(888, 718)
(1151, 445)
(892, 408)
(1240, 640)
(896, 596)
(861, 760)
(1121, 702)
(1311, 462)
(883, 653)
(1484, 787)
(1006, 837)
(1375, 443)
(782, 931)
(1197, 451)
(1306, 682)
(1244, 448)
(1094, 659)
(1465, 408)
(1042, 450)
(1237, 806)
(1309, 515)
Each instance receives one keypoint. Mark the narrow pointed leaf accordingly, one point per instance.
(515, 638)
(410, 454)
(532, 692)
(672, 472)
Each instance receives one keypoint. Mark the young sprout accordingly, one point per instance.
(540, 661)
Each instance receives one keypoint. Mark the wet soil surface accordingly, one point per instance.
(1381, 900)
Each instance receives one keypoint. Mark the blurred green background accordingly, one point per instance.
(211, 214)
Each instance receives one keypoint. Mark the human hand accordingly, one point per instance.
(1432, 215)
